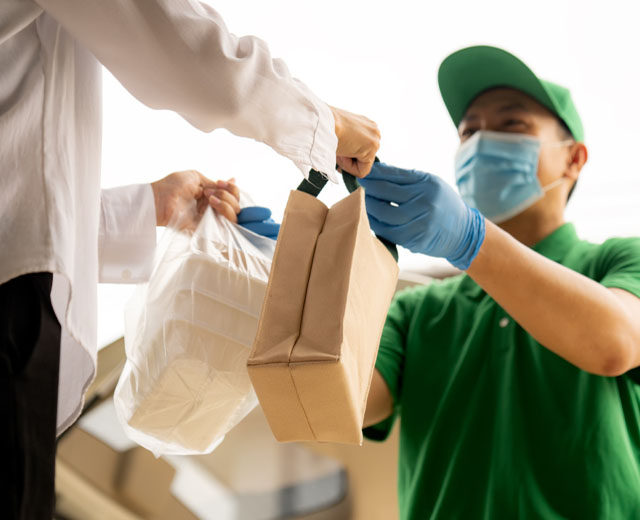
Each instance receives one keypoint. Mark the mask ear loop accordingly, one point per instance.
(553, 184)
(556, 144)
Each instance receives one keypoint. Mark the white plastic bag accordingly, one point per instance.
(188, 333)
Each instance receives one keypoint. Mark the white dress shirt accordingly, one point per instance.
(170, 54)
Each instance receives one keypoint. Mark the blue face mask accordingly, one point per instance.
(496, 173)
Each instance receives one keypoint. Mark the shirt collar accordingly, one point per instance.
(557, 244)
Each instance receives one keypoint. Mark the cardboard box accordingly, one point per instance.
(143, 482)
(134, 478)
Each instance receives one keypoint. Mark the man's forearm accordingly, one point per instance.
(379, 402)
(582, 321)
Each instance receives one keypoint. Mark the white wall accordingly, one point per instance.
(381, 59)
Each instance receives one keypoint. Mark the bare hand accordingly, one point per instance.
(358, 142)
(182, 197)
(224, 199)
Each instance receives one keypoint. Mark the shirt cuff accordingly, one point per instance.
(127, 238)
(322, 155)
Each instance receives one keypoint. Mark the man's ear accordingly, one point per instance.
(578, 156)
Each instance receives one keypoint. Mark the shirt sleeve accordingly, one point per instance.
(391, 357)
(127, 237)
(178, 55)
(620, 263)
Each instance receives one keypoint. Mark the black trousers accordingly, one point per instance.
(29, 362)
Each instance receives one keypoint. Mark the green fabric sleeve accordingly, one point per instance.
(620, 261)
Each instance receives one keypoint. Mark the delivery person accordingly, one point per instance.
(515, 381)
(175, 55)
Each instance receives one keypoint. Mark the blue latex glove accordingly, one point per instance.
(258, 220)
(427, 217)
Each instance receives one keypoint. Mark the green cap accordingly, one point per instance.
(467, 73)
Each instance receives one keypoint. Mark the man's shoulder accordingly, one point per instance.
(621, 244)
(597, 259)
(610, 247)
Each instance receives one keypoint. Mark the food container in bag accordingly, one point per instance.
(188, 334)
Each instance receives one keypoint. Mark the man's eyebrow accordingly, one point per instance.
(516, 105)
(470, 117)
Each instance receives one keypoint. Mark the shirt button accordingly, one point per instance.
(126, 274)
(504, 322)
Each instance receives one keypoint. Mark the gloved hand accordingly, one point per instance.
(258, 220)
(421, 212)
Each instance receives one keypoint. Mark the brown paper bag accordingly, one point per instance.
(329, 291)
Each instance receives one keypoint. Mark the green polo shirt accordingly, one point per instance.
(494, 425)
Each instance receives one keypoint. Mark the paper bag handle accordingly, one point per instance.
(316, 181)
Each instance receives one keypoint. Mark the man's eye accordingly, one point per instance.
(513, 122)
(468, 132)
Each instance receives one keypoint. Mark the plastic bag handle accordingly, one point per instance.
(316, 181)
